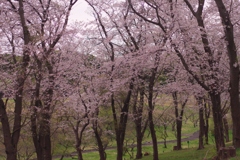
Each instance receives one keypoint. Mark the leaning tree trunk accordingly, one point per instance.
(101, 149)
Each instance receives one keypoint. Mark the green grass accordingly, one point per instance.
(191, 153)
(188, 152)
(187, 131)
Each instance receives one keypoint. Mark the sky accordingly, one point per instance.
(80, 12)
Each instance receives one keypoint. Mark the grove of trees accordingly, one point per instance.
(62, 83)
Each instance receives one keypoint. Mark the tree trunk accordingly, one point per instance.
(206, 115)
(139, 144)
(217, 119)
(79, 152)
(153, 135)
(101, 149)
(36, 104)
(201, 123)
(121, 127)
(45, 142)
(11, 139)
(234, 71)
(34, 130)
(44, 126)
(138, 120)
(179, 134)
(10, 150)
(150, 115)
(165, 135)
(179, 118)
(119, 149)
(78, 132)
(226, 128)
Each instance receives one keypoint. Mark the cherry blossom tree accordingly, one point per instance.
(212, 77)
(232, 54)
(34, 36)
(228, 26)
(10, 10)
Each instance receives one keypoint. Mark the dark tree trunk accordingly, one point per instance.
(120, 129)
(119, 148)
(79, 134)
(201, 123)
(179, 134)
(44, 134)
(79, 153)
(139, 145)
(45, 141)
(234, 70)
(10, 150)
(34, 131)
(217, 119)
(165, 136)
(206, 115)
(151, 108)
(40, 122)
(226, 128)
(101, 149)
(153, 133)
(37, 104)
(138, 120)
(11, 138)
(178, 117)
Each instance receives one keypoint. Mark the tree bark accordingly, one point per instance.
(78, 132)
(11, 138)
(138, 120)
(79, 152)
(101, 149)
(217, 119)
(9, 147)
(201, 123)
(206, 116)
(150, 112)
(121, 127)
(178, 116)
(226, 128)
(234, 70)
(152, 131)
(178, 121)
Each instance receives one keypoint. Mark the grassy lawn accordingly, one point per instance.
(188, 152)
